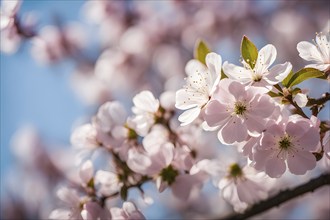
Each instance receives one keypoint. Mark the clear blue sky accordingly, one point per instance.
(36, 94)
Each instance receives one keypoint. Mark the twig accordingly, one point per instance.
(282, 197)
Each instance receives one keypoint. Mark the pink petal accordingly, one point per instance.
(215, 113)
(233, 131)
(301, 161)
(275, 167)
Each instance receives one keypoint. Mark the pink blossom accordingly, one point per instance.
(239, 111)
(73, 205)
(92, 210)
(288, 143)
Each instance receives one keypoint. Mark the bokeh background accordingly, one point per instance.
(42, 96)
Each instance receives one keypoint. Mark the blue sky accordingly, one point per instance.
(34, 94)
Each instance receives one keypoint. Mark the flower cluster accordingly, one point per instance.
(246, 128)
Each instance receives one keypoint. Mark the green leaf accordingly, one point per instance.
(302, 75)
(201, 50)
(223, 75)
(286, 81)
(249, 52)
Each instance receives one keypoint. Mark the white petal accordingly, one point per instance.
(146, 101)
(194, 65)
(68, 196)
(189, 116)
(266, 57)
(213, 62)
(309, 51)
(185, 99)
(237, 73)
(278, 73)
(86, 171)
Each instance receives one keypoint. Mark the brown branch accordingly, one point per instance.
(282, 197)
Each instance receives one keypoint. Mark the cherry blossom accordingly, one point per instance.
(106, 182)
(127, 212)
(86, 172)
(289, 143)
(239, 111)
(318, 53)
(10, 38)
(85, 137)
(145, 108)
(73, 203)
(240, 186)
(201, 82)
(260, 76)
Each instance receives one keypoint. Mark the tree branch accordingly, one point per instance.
(282, 197)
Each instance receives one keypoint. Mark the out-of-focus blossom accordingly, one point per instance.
(145, 109)
(106, 182)
(318, 53)
(238, 110)
(10, 38)
(290, 142)
(73, 205)
(92, 210)
(200, 85)
(54, 43)
(86, 172)
(85, 137)
(89, 88)
(260, 76)
(127, 212)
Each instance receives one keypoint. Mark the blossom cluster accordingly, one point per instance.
(243, 128)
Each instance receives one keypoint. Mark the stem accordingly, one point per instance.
(282, 197)
(298, 109)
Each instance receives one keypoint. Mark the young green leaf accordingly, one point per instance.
(287, 79)
(249, 52)
(302, 75)
(201, 50)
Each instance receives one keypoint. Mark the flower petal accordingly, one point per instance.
(309, 52)
(266, 57)
(233, 131)
(278, 73)
(237, 73)
(275, 167)
(189, 116)
(300, 162)
(213, 62)
(215, 113)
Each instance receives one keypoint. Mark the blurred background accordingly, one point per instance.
(83, 53)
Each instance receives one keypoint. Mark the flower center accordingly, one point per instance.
(169, 174)
(240, 108)
(285, 143)
(235, 170)
(257, 78)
